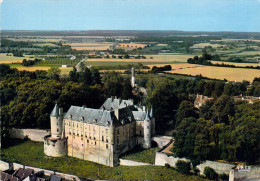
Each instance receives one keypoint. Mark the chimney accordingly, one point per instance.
(61, 111)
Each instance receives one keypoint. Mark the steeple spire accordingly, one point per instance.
(147, 117)
(55, 111)
(151, 113)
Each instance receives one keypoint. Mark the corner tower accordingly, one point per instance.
(55, 145)
(56, 118)
(147, 132)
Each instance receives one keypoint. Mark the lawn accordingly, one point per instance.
(31, 153)
(141, 155)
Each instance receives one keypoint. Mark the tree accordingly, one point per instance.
(54, 73)
(186, 110)
(183, 167)
(185, 138)
(210, 173)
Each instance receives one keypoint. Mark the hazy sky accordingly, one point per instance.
(187, 15)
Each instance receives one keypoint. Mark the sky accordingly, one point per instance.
(185, 15)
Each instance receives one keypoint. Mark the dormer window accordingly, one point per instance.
(70, 116)
(82, 118)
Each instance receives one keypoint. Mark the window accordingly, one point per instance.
(95, 143)
(106, 131)
(81, 139)
(106, 139)
(82, 145)
(140, 132)
(57, 123)
(77, 125)
(57, 130)
(118, 131)
(87, 141)
(117, 139)
(147, 127)
(102, 138)
(107, 146)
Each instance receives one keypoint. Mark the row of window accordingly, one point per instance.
(89, 127)
(91, 143)
(73, 132)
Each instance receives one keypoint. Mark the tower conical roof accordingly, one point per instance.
(151, 113)
(55, 111)
(147, 117)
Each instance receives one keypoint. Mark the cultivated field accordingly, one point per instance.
(90, 46)
(202, 45)
(37, 39)
(161, 58)
(237, 64)
(232, 74)
(65, 70)
(245, 53)
(177, 66)
(131, 45)
(4, 59)
(31, 69)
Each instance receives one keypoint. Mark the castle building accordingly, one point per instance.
(99, 135)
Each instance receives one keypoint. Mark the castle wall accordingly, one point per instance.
(32, 134)
(131, 163)
(90, 142)
(161, 159)
(55, 148)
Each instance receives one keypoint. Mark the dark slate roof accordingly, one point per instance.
(115, 104)
(55, 178)
(23, 173)
(7, 177)
(55, 111)
(139, 115)
(92, 116)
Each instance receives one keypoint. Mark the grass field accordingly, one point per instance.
(142, 155)
(232, 74)
(237, 64)
(4, 59)
(90, 46)
(31, 154)
(65, 70)
(246, 53)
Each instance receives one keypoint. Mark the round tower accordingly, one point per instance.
(147, 132)
(56, 118)
(55, 145)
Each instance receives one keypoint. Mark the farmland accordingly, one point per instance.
(236, 64)
(90, 46)
(4, 59)
(232, 74)
(32, 69)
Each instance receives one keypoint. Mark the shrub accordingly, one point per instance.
(223, 176)
(183, 167)
(210, 173)
(167, 165)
